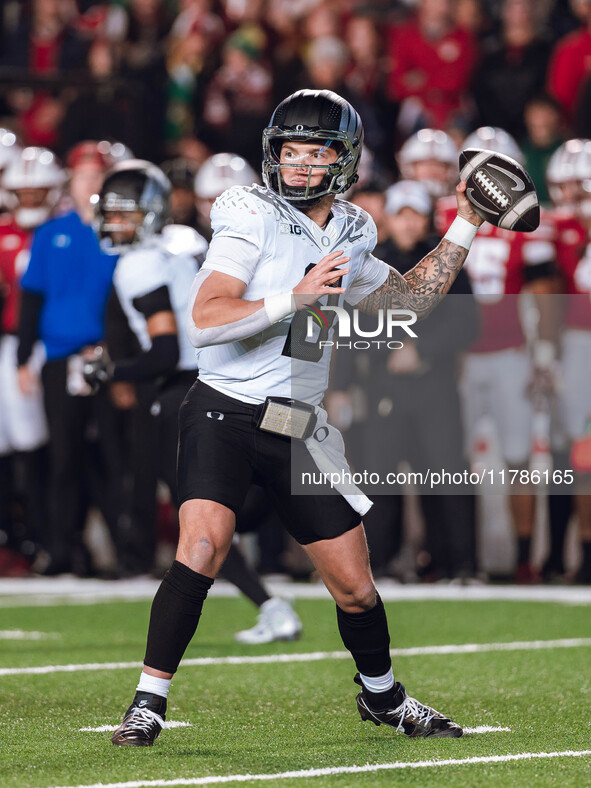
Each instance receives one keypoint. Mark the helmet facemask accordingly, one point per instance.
(339, 176)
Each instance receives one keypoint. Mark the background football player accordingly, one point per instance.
(574, 263)
(431, 157)
(32, 184)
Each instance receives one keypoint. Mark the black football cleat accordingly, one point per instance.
(142, 721)
(408, 716)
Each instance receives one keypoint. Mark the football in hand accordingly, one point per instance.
(500, 190)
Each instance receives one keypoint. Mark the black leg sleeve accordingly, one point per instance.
(366, 636)
(176, 610)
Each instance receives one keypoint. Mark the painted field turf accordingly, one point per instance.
(269, 719)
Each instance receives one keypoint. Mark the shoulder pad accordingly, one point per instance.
(239, 212)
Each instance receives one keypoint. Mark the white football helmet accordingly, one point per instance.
(582, 173)
(496, 139)
(9, 150)
(9, 147)
(220, 172)
(431, 157)
(216, 174)
(34, 169)
(561, 173)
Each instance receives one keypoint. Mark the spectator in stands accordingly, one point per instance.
(513, 69)
(45, 44)
(327, 61)
(190, 64)
(284, 51)
(109, 106)
(148, 24)
(238, 100)
(432, 64)
(65, 289)
(366, 80)
(473, 16)
(143, 61)
(321, 20)
(571, 62)
(544, 125)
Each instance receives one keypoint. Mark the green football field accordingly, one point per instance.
(293, 722)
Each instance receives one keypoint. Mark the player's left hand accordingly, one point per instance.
(465, 209)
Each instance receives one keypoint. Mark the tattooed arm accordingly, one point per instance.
(423, 287)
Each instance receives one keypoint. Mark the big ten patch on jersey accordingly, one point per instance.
(289, 229)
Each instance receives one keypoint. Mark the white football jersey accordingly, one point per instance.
(278, 245)
(151, 265)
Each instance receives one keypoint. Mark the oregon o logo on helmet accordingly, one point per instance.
(388, 321)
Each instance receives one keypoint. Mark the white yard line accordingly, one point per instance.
(20, 634)
(175, 724)
(336, 770)
(41, 591)
(313, 656)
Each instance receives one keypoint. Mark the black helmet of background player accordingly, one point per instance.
(133, 204)
(313, 116)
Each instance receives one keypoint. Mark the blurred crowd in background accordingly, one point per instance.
(189, 85)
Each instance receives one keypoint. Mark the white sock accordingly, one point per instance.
(378, 683)
(153, 684)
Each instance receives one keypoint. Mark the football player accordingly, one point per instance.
(274, 250)
(570, 241)
(574, 263)
(498, 369)
(430, 156)
(32, 183)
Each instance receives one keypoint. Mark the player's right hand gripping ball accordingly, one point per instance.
(500, 190)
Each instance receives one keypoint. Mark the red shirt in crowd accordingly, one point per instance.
(437, 72)
(569, 65)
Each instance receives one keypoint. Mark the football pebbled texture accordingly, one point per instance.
(500, 190)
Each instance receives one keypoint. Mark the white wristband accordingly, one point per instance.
(279, 306)
(461, 232)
